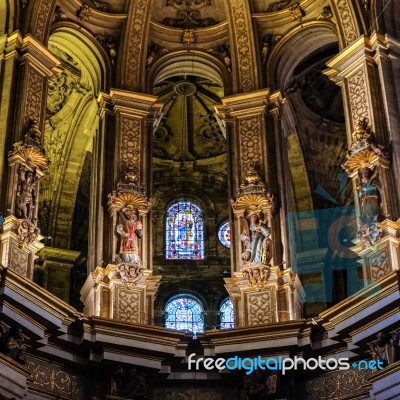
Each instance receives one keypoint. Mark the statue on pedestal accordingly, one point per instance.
(256, 241)
(130, 230)
(369, 197)
(26, 194)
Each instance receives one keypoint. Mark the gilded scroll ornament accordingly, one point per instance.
(278, 5)
(184, 4)
(243, 45)
(359, 105)
(135, 38)
(259, 308)
(347, 21)
(256, 276)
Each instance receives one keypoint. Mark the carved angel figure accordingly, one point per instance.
(130, 230)
(256, 240)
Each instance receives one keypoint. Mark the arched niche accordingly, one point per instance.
(295, 47)
(188, 63)
(71, 124)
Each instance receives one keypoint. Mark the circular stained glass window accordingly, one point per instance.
(224, 234)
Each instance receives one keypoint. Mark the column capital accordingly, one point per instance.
(245, 104)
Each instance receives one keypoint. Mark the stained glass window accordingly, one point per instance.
(184, 313)
(224, 234)
(184, 232)
(226, 314)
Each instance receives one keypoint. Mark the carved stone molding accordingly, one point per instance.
(359, 102)
(42, 19)
(260, 308)
(135, 41)
(20, 241)
(245, 58)
(347, 21)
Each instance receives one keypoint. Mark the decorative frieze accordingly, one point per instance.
(241, 24)
(347, 21)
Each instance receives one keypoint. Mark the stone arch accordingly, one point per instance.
(189, 62)
(38, 19)
(293, 48)
(349, 22)
(71, 124)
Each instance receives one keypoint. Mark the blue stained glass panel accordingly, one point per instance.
(226, 313)
(224, 234)
(184, 313)
(184, 232)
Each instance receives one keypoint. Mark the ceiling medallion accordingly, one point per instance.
(184, 88)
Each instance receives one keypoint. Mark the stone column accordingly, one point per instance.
(359, 70)
(259, 287)
(29, 70)
(57, 265)
(125, 289)
(356, 71)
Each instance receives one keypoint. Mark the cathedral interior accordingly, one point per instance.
(208, 177)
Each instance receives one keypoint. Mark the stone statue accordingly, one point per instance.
(256, 241)
(130, 230)
(369, 197)
(386, 347)
(128, 383)
(26, 194)
(15, 345)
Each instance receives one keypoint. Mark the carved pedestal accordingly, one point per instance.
(263, 295)
(123, 292)
(380, 257)
(20, 241)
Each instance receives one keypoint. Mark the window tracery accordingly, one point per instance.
(184, 312)
(226, 314)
